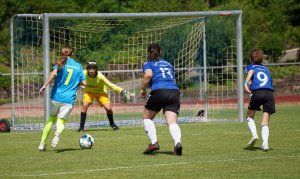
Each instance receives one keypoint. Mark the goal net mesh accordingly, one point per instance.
(119, 46)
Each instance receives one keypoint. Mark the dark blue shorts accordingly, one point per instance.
(263, 98)
(166, 99)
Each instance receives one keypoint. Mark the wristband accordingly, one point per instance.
(246, 83)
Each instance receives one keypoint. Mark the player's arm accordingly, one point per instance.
(125, 94)
(248, 81)
(82, 78)
(83, 83)
(110, 85)
(146, 80)
(50, 78)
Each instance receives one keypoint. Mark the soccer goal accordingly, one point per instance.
(204, 47)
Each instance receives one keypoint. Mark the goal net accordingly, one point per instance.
(203, 49)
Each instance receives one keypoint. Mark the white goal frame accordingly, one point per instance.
(46, 17)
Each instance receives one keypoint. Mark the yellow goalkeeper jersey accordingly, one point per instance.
(99, 83)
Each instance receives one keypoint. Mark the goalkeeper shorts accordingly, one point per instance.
(102, 98)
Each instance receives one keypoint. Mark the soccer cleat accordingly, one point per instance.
(151, 148)
(55, 139)
(252, 142)
(80, 130)
(42, 147)
(114, 127)
(178, 149)
(265, 148)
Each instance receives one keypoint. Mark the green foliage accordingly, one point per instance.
(292, 10)
(4, 101)
(272, 45)
(279, 72)
(5, 81)
(267, 24)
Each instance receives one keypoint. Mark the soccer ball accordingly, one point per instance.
(86, 141)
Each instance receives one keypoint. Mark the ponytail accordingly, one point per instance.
(64, 54)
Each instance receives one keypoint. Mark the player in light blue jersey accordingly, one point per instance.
(259, 85)
(159, 75)
(68, 76)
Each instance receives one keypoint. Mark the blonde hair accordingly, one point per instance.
(64, 54)
(256, 56)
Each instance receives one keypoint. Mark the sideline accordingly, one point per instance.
(147, 166)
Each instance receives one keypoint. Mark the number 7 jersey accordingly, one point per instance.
(67, 81)
(261, 78)
(163, 76)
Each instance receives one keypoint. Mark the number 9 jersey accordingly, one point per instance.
(163, 76)
(261, 78)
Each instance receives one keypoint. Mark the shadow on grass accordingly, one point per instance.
(252, 148)
(105, 129)
(161, 152)
(255, 149)
(166, 152)
(65, 150)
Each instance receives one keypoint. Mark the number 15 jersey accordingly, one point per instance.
(261, 78)
(163, 76)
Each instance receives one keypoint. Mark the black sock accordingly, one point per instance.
(82, 120)
(110, 118)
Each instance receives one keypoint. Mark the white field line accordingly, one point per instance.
(146, 166)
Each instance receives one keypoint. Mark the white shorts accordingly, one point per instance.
(61, 110)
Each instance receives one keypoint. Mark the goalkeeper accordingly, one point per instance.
(96, 89)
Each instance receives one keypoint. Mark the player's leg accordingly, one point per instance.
(87, 101)
(174, 128)
(254, 105)
(171, 118)
(265, 131)
(252, 128)
(60, 126)
(150, 130)
(171, 110)
(83, 114)
(104, 101)
(46, 131)
(110, 116)
(268, 109)
(54, 110)
(64, 112)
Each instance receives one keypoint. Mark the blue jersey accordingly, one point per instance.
(261, 78)
(163, 76)
(67, 81)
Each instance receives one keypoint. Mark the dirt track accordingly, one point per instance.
(37, 110)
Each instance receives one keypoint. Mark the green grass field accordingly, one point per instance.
(210, 150)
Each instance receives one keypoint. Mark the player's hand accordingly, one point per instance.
(125, 96)
(247, 87)
(143, 93)
(247, 90)
(42, 89)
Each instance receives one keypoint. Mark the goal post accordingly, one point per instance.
(204, 47)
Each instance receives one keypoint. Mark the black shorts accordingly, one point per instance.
(262, 97)
(166, 99)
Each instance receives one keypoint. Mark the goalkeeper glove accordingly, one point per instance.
(125, 96)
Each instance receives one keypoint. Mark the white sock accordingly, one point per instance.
(265, 134)
(252, 126)
(150, 130)
(175, 132)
